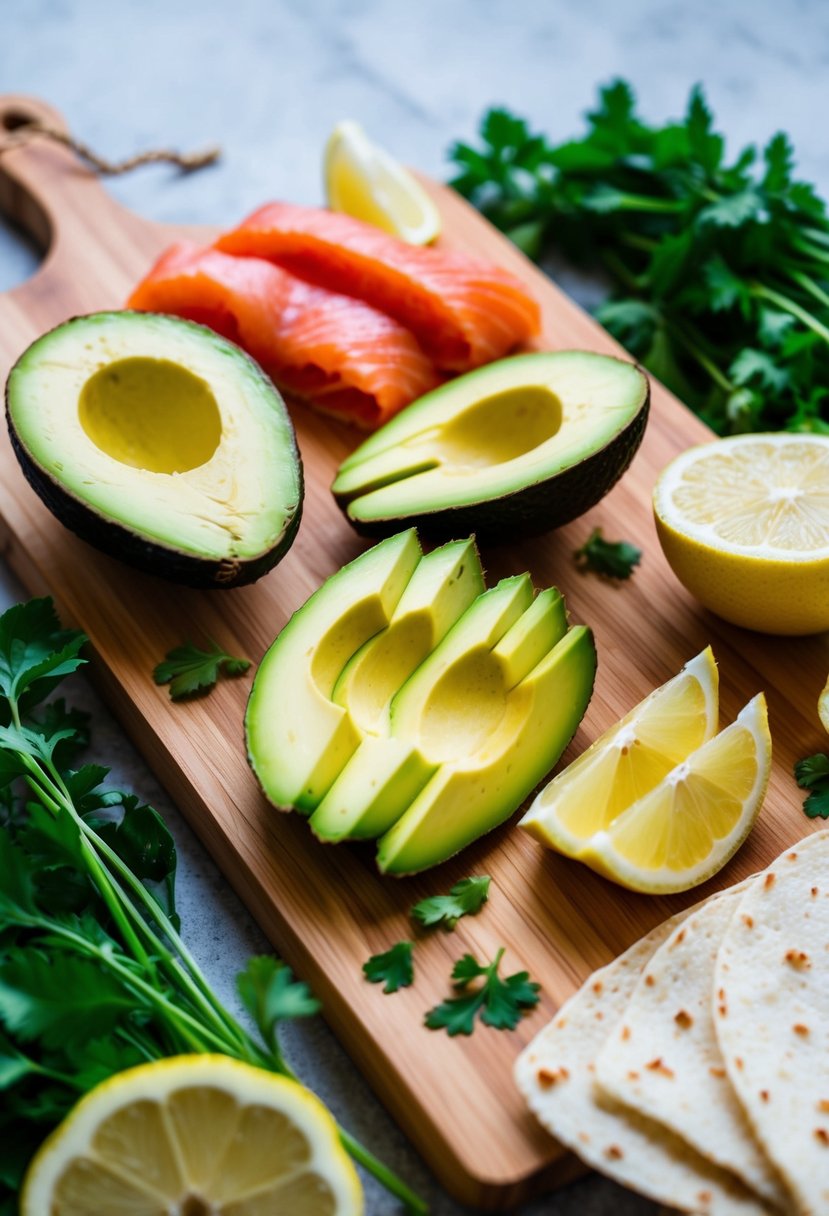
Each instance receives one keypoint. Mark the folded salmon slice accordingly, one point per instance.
(340, 355)
(463, 312)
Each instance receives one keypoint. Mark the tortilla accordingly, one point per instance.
(555, 1075)
(771, 1013)
(665, 1060)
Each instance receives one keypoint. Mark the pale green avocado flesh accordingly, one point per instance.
(520, 446)
(405, 701)
(159, 442)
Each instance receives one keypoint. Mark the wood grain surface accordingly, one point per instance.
(325, 908)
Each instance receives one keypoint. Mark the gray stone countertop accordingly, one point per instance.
(268, 80)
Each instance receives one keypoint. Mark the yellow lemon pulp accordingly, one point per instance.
(823, 707)
(363, 180)
(744, 524)
(688, 827)
(629, 760)
(194, 1136)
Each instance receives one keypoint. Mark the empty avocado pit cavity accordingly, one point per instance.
(496, 429)
(431, 707)
(161, 444)
(516, 448)
(151, 414)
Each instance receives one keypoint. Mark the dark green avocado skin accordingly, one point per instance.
(121, 543)
(529, 511)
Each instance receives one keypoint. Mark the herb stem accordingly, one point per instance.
(183, 969)
(413, 1204)
(701, 358)
(811, 322)
(646, 202)
(617, 267)
(808, 285)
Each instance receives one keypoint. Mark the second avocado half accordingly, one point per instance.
(513, 449)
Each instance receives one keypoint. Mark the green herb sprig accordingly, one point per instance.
(613, 558)
(465, 898)
(190, 670)
(94, 973)
(394, 968)
(720, 265)
(813, 774)
(498, 1002)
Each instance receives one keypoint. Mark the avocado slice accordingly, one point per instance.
(299, 738)
(404, 700)
(160, 443)
(513, 449)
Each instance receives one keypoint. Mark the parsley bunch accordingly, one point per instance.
(94, 974)
(721, 266)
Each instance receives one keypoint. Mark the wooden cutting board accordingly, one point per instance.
(326, 909)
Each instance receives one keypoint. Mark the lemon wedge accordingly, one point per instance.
(363, 180)
(202, 1135)
(688, 825)
(744, 524)
(629, 760)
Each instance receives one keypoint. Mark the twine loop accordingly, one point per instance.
(34, 129)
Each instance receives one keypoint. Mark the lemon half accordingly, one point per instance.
(363, 180)
(744, 524)
(202, 1135)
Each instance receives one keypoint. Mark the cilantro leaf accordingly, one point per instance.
(58, 999)
(813, 774)
(758, 366)
(464, 899)
(498, 1002)
(394, 967)
(189, 670)
(705, 145)
(271, 995)
(614, 559)
(35, 652)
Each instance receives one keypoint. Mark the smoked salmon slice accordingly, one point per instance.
(336, 353)
(463, 312)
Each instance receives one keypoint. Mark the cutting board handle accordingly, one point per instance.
(44, 187)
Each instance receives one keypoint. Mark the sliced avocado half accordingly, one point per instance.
(160, 443)
(405, 701)
(516, 448)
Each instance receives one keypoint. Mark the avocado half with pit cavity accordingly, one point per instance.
(406, 702)
(161, 444)
(513, 449)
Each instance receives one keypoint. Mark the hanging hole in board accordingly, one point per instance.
(13, 120)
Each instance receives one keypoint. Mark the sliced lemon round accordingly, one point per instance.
(688, 827)
(744, 524)
(628, 760)
(363, 180)
(194, 1136)
(823, 707)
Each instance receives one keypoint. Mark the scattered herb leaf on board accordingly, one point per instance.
(94, 974)
(498, 1002)
(720, 265)
(395, 967)
(189, 670)
(813, 774)
(464, 899)
(613, 558)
